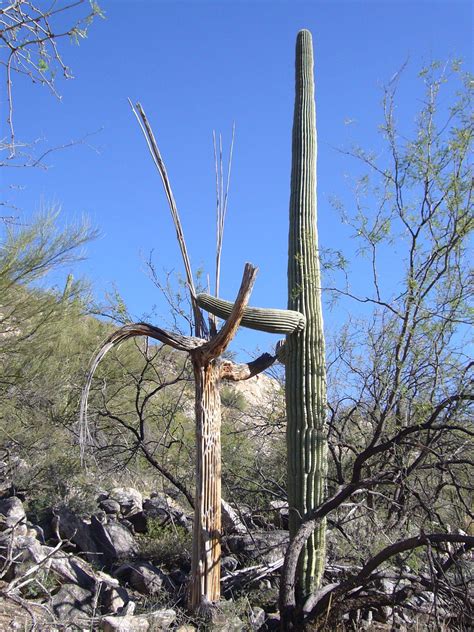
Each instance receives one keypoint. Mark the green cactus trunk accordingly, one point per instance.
(305, 353)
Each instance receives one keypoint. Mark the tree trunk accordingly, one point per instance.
(205, 571)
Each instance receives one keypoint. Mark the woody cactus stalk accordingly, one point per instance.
(305, 349)
(205, 350)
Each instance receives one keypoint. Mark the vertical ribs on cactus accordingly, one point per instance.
(274, 321)
(305, 349)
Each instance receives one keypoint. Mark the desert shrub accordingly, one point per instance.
(168, 546)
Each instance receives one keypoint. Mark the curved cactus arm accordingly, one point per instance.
(182, 343)
(219, 343)
(274, 321)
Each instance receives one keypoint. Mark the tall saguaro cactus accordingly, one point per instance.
(305, 349)
(304, 352)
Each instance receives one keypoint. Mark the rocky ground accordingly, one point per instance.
(102, 571)
(124, 568)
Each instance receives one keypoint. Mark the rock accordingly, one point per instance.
(231, 521)
(223, 622)
(72, 602)
(138, 522)
(129, 609)
(110, 506)
(27, 551)
(129, 499)
(165, 510)
(127, 623)
(113, 541)
(16, 554)
(115, 599)
(265, 547)
(228, 564)
(257, 618)
(281, 513)
(258, 392)
(144, 577)
(178, 576)
(163, 618)
(158, 620)
(38, 532)
(273, 622)
(73, 528)
(12, 515)
(123, 542)
(127, 524)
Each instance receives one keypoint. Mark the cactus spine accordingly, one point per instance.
(305, 349)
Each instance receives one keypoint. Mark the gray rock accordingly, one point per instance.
(127, 623)
(129, 499)
(228, 563)
(281, 513)
(231, 521)
(273, 622)
(72, 602)
(16, 554)
(223, 622)
(12, 515)
(138, 522)
(38, 532)
(144, 577)
(114, 599)
(265, 547)
(75, 529)
(122, 540)
(113, 540)
(257, 618)
(158, 620)
(165, 510)
(73, 571)
(110, 506)
(162, 619)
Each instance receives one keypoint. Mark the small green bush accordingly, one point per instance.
(168, 547)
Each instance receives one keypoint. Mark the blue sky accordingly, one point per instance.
(198, 66)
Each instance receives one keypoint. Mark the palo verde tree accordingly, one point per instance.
(400, 379)
(30, 36)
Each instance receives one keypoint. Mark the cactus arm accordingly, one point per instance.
(274, 321)
(305, 350)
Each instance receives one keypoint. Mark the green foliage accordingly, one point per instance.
(254, 453)
(231, 398)
(167, 546)
(46, 339)
(404, 364)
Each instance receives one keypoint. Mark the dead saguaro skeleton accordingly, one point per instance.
(205, 351)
